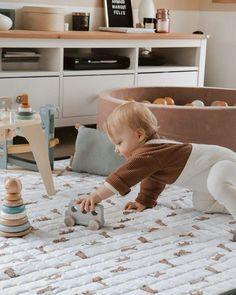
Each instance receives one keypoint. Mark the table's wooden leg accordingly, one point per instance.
(34, 135)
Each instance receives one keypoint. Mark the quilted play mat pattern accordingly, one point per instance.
(170, 249)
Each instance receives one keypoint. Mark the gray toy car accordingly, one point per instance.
(94, 219)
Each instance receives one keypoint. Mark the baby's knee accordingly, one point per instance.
(202, 201)
(221, 177)
(206, 203)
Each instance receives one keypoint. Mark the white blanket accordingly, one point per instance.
(170, 249)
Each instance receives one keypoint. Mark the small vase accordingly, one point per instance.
(5, 22)
(146, 9)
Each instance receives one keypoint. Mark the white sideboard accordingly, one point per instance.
(76, 92)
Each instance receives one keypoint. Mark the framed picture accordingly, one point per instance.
(118, 13)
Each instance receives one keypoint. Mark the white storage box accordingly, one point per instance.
(43, 18)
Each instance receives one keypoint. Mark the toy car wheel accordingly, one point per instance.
(94, 224)
(69, 221)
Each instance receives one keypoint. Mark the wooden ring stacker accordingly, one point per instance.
(13, 210)
(12, 197)
(13, 216)
(13, 203)
(14, 229)
(13, 222)
(18, 234)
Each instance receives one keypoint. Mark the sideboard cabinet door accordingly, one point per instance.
(41, 90)
(80, 93)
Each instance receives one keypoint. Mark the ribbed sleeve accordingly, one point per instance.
(150, 189)
(119, 184)
(154, 165)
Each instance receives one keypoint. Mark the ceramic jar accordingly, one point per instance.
(5, 22)
(163, 21)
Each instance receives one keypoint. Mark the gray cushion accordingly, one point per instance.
(94, 153)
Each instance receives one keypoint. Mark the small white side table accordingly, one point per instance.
(32, 131)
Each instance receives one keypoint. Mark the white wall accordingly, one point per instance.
(221, 47)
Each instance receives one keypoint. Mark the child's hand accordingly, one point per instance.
(134, 206)
(88, 202)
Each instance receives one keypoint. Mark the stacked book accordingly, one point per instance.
(21, 54)
(20, 58)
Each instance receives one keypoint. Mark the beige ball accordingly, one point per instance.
(130, 99)
(169, 100)
(160, 101)
(189, 104)
(219, 103)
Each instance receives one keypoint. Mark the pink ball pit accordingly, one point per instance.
(209, 125)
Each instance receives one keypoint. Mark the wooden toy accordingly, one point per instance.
(13, 222)
(94, 219)
(15, 229)
(12, 197)
(24, 111)
(16, 234)
(13, 203)
(11, 151)
(13, 209)
(13, 186)
(13, 217)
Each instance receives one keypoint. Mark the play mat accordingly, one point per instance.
(170, 249)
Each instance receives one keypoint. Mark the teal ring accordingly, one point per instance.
(13, 210)
(24, 115)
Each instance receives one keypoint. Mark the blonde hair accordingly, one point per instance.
(134, 115)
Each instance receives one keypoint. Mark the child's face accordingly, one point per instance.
(126, 141)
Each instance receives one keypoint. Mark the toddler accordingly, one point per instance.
(208, 170)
